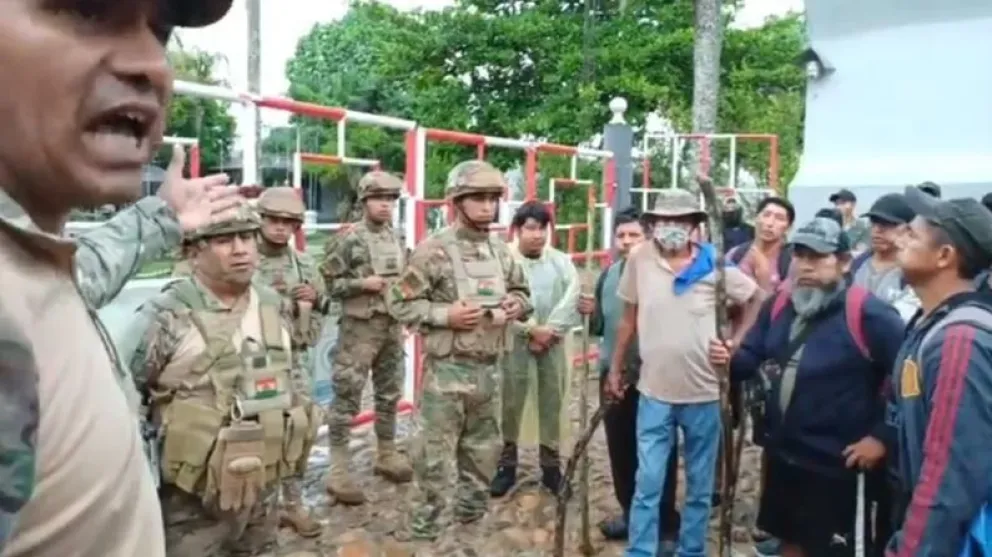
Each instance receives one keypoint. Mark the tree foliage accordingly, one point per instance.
(207, 120)
(514, 68)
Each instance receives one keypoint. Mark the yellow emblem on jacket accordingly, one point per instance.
(910, 379)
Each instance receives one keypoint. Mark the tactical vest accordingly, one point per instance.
(233, 379)
(387, 259)
(479, 281)
(309, 321)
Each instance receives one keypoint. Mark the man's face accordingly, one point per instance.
(627, 236)
(85, 86)
(379, 209)
(772, 223)
(533, 237)
(884, 235)
(278, 230)
(479, 208)
(846, 208)
(228, 258)
(816, 270)
(920, 255)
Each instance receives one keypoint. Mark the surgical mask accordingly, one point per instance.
(671, 237)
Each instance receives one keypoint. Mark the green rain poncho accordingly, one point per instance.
(536, 386)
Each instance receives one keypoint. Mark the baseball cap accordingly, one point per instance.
(930, 188)
(822, 235)
(967, 222)
(891, 208)
(843, 195)
(195, 13)
(987, 201)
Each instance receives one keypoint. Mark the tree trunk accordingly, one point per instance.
(706, 77)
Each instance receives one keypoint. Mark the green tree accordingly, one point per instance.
(514, 69)
(205, 119)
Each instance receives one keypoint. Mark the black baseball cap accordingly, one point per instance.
(195, 13)
(967, 222)
(844, 195)
(891, 208)
(930, 188)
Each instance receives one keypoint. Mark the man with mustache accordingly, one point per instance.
(226, 396)
(819, 352)
(83, 102)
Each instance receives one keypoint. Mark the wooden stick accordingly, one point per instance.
(727, 465)
(565, 492)
(586, 545)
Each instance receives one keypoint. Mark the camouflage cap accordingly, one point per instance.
(673, 203)
(282, 202)
(822, 235)
(377, 183)
(474, 176)
(245, 220)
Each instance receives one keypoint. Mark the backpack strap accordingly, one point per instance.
(977, 315)
(857, 263)
(854, 309)
(784, 263)
(737, 253)
(780, 302)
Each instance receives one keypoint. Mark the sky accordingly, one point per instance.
(297, 17)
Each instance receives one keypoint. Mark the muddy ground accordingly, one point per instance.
(519, 525)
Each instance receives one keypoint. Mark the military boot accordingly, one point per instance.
(294, 513)
(392, 464)
(339, 482)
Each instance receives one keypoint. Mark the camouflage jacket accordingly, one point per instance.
(348, 261)
(103, 260)
(284, 269)
(426, 289)
(165, 331)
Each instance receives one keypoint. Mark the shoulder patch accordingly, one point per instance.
(909, 379)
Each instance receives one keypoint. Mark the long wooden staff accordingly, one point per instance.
(728, 466)
(579, 459)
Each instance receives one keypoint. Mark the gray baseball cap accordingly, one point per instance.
(194, 13)
(967, 222)
(822, 235)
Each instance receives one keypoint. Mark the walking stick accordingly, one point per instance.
(579, 458)
(727, 464)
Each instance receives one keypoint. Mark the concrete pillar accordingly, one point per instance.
(618, 137)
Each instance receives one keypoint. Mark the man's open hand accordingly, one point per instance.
(197, 202)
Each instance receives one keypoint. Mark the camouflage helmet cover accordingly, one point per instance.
(281, 202)
(245, 220)
(474, 176)
(378, 183)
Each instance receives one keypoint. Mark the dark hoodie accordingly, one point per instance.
(835, 399)
(735, 230)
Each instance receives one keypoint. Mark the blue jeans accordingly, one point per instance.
(656, 437)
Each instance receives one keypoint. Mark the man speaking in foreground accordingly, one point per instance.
(83, 104)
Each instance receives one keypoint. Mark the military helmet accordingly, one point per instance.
(474, 176)
(283, 202)
(245, 220)
(377, 183)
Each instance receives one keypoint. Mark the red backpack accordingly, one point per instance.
(854, 308)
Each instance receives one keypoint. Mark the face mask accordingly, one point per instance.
(671, 237)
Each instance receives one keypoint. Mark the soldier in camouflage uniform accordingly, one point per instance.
(232, 412)
(461, 288)
(365, 262)
(294, 276)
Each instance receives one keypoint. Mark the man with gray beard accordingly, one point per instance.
(816, 361)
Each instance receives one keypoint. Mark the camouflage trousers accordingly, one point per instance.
(193, 531)
(550, 385)
(375, 344)
(458, 415)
